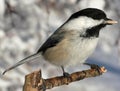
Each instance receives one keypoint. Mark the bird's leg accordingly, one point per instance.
(94, 66)
(65, 74)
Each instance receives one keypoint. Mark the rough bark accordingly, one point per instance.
(35, 82)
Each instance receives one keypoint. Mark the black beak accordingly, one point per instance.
(110, 21)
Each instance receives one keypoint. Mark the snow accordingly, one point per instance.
(23, 33)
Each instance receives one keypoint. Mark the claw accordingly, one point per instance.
(94, 66)
(65, 74)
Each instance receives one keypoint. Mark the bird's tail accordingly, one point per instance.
(29, 58)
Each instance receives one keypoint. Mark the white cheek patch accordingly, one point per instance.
(82, 23)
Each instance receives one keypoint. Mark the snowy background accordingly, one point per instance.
(26, 24)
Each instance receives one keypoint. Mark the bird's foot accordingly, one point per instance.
(65, 74)
(94, 66)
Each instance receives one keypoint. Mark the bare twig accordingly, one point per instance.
(34, 81)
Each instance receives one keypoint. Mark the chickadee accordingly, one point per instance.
(74, 41)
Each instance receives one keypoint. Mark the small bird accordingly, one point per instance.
(74, 41)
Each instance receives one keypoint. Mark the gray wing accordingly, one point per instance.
(52, 41)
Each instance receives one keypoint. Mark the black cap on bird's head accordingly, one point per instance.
(93, 13)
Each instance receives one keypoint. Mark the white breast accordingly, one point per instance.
(80, 50)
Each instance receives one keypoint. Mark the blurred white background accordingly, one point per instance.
(26, 24)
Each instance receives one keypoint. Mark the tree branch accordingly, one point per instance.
(35, 82)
